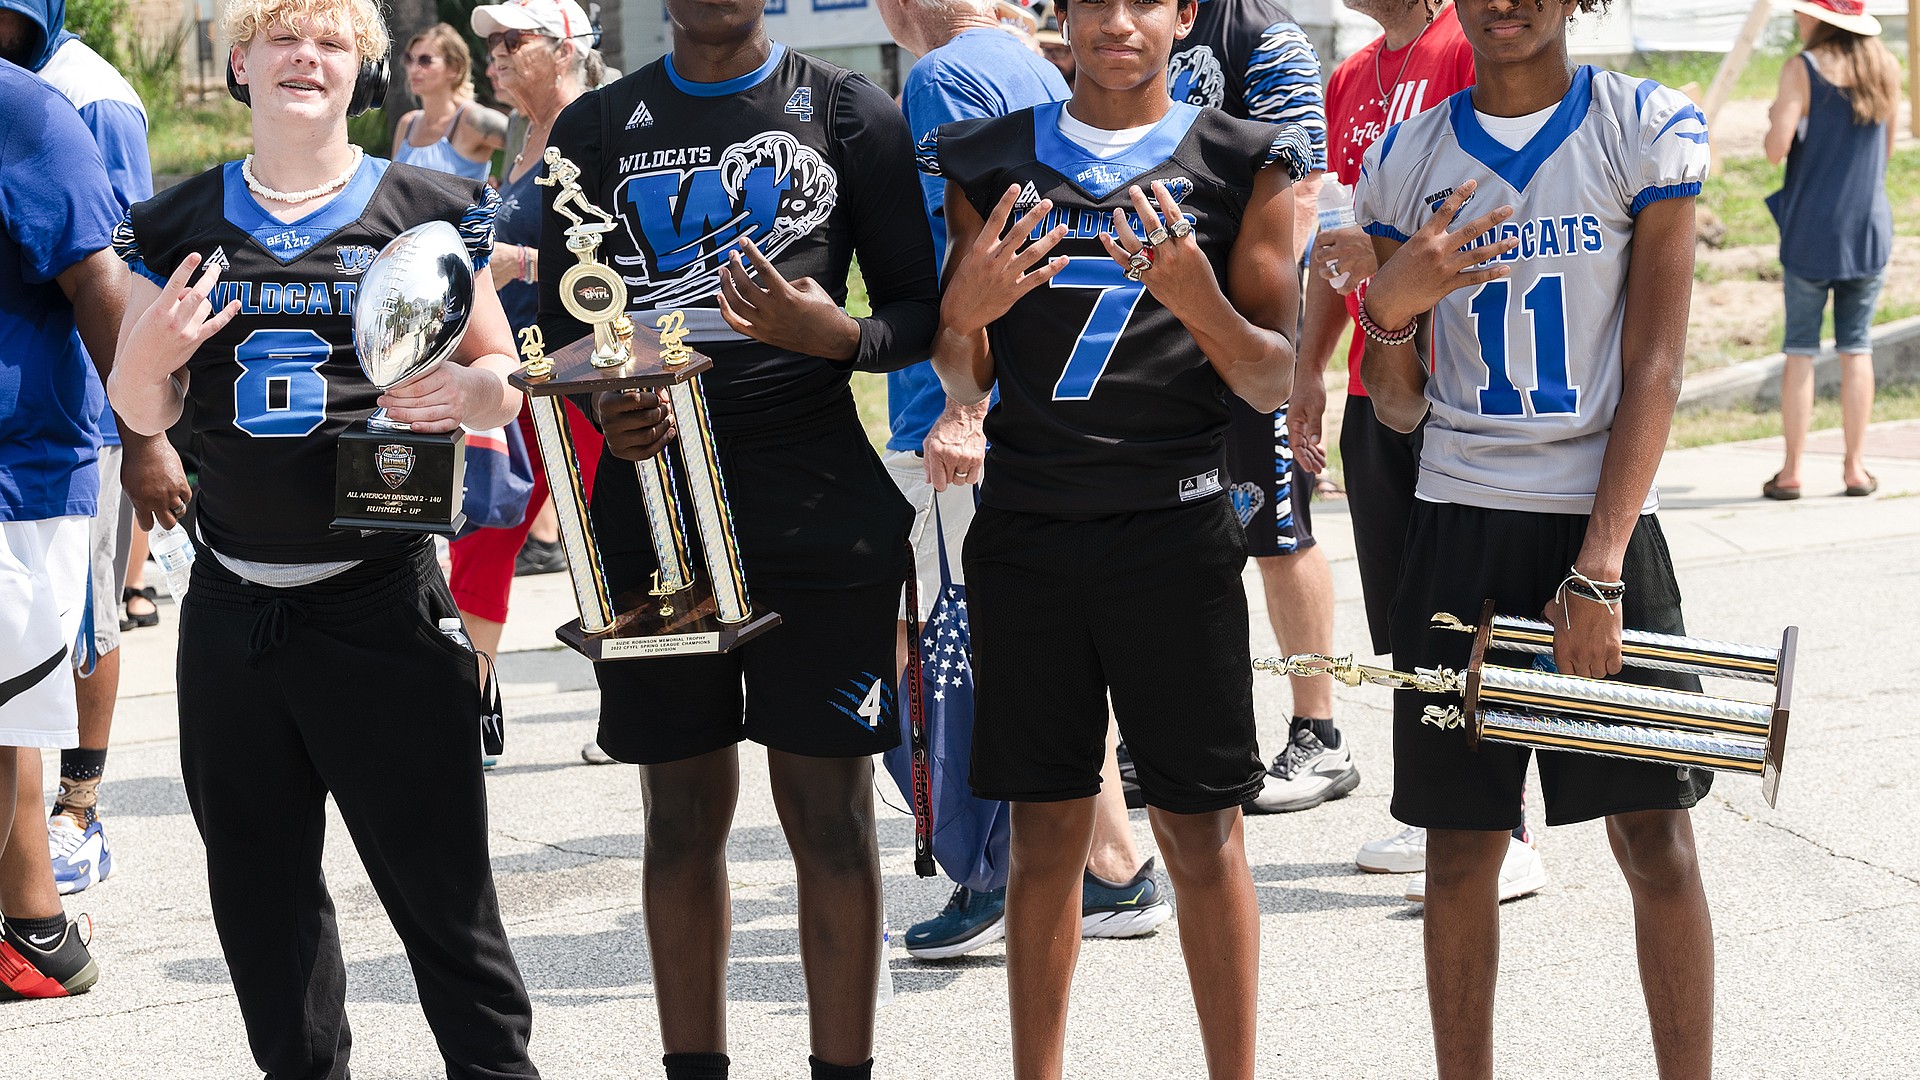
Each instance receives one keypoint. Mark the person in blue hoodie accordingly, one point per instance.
(33, 35)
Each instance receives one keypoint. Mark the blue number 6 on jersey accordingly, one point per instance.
(1094, 347)
(280, 393)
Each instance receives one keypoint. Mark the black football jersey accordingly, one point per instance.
(811, 161)
(273, 390)
(815, 164)
(1107, 404)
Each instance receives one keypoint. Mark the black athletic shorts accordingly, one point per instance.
(822, 684)
(1457, 557)
(1270, 494)
(1381, 467)
(1147, 607)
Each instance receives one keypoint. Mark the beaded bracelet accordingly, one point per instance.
(1386, 337)
(1607, 593)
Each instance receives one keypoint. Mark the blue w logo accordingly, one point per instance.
(687, 217)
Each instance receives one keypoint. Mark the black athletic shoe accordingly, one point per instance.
(58, 967)
(539, 557)
(1130, 778)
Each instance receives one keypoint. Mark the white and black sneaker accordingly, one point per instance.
(1307, 773)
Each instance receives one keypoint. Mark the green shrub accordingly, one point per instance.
(99, 23)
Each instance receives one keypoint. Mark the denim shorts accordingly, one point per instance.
(1853, 300)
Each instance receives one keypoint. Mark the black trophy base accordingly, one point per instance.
(400, 481)
(640, 631)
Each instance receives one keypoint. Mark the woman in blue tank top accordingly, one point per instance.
(463, 133)
(1832, 122)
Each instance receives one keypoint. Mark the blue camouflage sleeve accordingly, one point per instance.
(1283, 86)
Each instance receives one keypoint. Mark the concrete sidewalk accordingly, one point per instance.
(1817, 904)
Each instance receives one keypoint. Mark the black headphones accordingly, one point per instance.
(369, 88)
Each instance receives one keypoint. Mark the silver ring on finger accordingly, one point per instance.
(1159, 235)
(1181, 227)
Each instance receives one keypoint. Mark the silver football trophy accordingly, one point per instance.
(688, 608)
(415, 301)
(1551, 711)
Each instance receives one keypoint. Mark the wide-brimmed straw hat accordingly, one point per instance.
(1848, 15)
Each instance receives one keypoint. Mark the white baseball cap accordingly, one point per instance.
(557, 18)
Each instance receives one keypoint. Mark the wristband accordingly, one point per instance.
(1386, 337)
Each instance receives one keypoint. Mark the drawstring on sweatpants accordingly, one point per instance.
(271, 625)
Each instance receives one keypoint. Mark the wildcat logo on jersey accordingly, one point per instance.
(395, 462)
(353, 259)
(1195, 77)
(640, 118)
(684, 222)
(801, 103)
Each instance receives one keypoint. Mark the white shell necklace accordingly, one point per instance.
(254, 185)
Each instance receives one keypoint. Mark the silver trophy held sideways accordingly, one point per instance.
(415, 301)
(691, 607)
(1550, 711)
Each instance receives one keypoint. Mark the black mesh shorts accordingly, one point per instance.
(1382, 466)
(1147, 608)
(822, 684)
(1270, 494)
(1457, 557)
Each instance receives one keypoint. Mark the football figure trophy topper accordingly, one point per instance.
(682, 611)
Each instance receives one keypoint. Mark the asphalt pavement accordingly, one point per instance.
(1816, 904)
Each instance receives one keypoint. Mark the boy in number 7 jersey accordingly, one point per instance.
(1522, 220)
(1147, 274)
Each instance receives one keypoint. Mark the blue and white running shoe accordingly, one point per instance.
(1122, 910)
(969, 921)
(81, 858)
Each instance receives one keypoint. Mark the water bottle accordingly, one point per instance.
(174, 552)
(1336, 212)
(884, 996)
(456, 632)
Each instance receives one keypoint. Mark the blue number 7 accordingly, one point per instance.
(1117, 297)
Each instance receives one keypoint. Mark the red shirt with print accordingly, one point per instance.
(1374, 89)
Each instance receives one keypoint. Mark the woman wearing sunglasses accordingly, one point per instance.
(450, 131)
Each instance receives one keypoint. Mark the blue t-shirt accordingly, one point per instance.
(113, 113)
(982, 72)
(56, 208)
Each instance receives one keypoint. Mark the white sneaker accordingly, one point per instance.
(593, 755)
(1405, 852)
(1521, 873)
(1306, 774)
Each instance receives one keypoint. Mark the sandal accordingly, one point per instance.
(1872, 485)
(134, 619)
(1772, 490)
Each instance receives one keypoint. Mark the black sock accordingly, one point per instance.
(824, 1071)
(1323, 730)
(39, 930)
(83, 764)
(696, 1066)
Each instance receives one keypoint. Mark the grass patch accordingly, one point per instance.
(183, 140)
(1706, 427)
(1759, 80)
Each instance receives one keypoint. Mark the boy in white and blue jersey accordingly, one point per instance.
(1549, 409)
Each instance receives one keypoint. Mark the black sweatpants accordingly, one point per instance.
(347, 687)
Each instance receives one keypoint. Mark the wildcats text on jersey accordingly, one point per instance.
(683, 222)
(287, 298)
